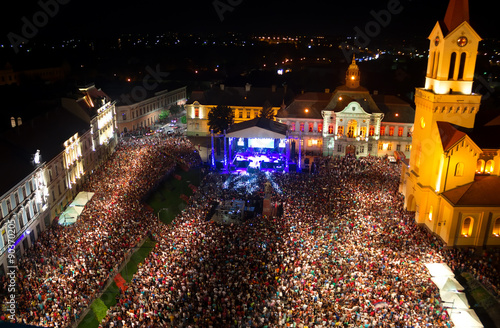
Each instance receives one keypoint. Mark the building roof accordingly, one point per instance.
(314, 102)
(46, 133)
(456, 14)
(259, 127)
(395, 109)
(481, 192)
(239, 96)
(449, 134)
(343, 95)
(486, 136)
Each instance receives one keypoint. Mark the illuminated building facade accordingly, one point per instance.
(147, 112)
(246, 103)
(452, 178)
(349, 121)
(23, 203)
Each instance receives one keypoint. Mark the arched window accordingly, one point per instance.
(462, 66)
(490, 165)
(459, 170)
(382, 130)
(13, 122)
(352, 126)
(19, 121)
(467, 227)
(480, 166)
(453, 59)
(371, 131)
(330, 129)
(496, 227)
(340, 130)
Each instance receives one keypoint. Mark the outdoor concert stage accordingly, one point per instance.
(256, 145)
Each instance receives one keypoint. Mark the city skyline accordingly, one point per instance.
(66, 19)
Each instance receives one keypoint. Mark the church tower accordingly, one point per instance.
(352, 75)
(446, 97)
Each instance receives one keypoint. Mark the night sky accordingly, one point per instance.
(107, 18)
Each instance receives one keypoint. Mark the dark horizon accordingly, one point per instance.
(94, 19)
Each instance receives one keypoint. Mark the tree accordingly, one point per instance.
(267, 111)
(175, 109)
(164, 114)
(220, 118)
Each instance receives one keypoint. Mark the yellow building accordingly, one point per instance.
(452, 178)
(246, 103)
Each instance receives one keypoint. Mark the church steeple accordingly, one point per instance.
(456, 14)
(352, 75)
(452, 52)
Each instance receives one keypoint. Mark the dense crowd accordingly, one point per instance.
(68, 266)
(344, 254)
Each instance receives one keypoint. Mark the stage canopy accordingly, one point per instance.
(259, 127)
(439, 270)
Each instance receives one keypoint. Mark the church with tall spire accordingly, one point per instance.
(452, 178)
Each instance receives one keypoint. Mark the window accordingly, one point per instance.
(389, 146)
(248, 114)
(451, 71)
(13, 122)
(340, 130)
(400, 131)
(292, 126)
(302, 127)
(320, 127)
(382, 130)
(370, 147)
(362, 131)
(398, 147)
(330, 129)
(380, 146)
(467, 227)
(407, 147)
(459, 170)
(391, 131)
(371, 131)
(489, 166)
(240, 114)
(124, 116)
(339, 148)
(496, 227)
(361, 149)
(480, 166)
(196, 112)
(311, 127)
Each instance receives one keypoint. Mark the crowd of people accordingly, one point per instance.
(344, 253)
(68, 267)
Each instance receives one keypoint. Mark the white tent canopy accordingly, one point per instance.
(447, 284)
(439, 269)
(465, 318)
(82, 198)
(455, 300)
